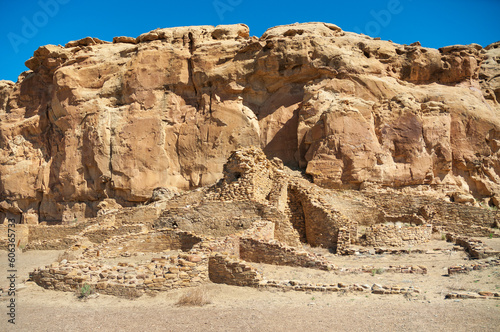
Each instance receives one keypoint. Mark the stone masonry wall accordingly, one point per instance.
(475, 248)
(223, 269)
(322, 222)
(343, 240)
(295, 213)
(273, 252)
(125, 279)
(395, 236)
(453, 217)
(248, 175)
(152, 241)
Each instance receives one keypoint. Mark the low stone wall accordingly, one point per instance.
(56, 232)
(151, 241)
(475, 248)
(101, 234)
(223, 269)
(395, 236)
(466, 268)
(129, 279)
(419, 269)
(475, 296)
(288, 285)
(453, 217)
(57, 244)
(137, 215)
(276, 253)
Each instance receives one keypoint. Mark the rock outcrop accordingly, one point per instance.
(96, 121)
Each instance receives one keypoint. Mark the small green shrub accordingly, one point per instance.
(85, 291)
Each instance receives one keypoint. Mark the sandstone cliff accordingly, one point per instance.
(96, 121)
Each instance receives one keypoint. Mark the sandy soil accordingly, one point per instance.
(245, 309)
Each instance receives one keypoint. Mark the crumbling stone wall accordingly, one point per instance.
(322, 222)
(397, 236)
(44, 233)
(216, 218)
(272, 252)
(262, 230)
(249, 175)
(141, 214)
(152, 241)
(223, 269)
(475, 248)
(131, 279)
(253, 182)
(101, 234)
(466, 268)
(288, 285)
(343, 240)
(452, 217)
(295, 213)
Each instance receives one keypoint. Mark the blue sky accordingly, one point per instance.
(26, 25)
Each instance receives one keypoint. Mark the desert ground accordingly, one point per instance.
(246, 309)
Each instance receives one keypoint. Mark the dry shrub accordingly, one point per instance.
(195, 297)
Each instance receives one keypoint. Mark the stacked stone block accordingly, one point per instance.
(397, 236)
(276, 253)
(160, 274)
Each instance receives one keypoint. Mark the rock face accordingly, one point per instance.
(95, 121)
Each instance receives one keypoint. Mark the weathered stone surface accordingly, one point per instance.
(96, 120)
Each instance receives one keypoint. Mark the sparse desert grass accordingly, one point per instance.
(378, 271)
(196, 297)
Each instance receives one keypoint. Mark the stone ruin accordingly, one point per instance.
(259, 212)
